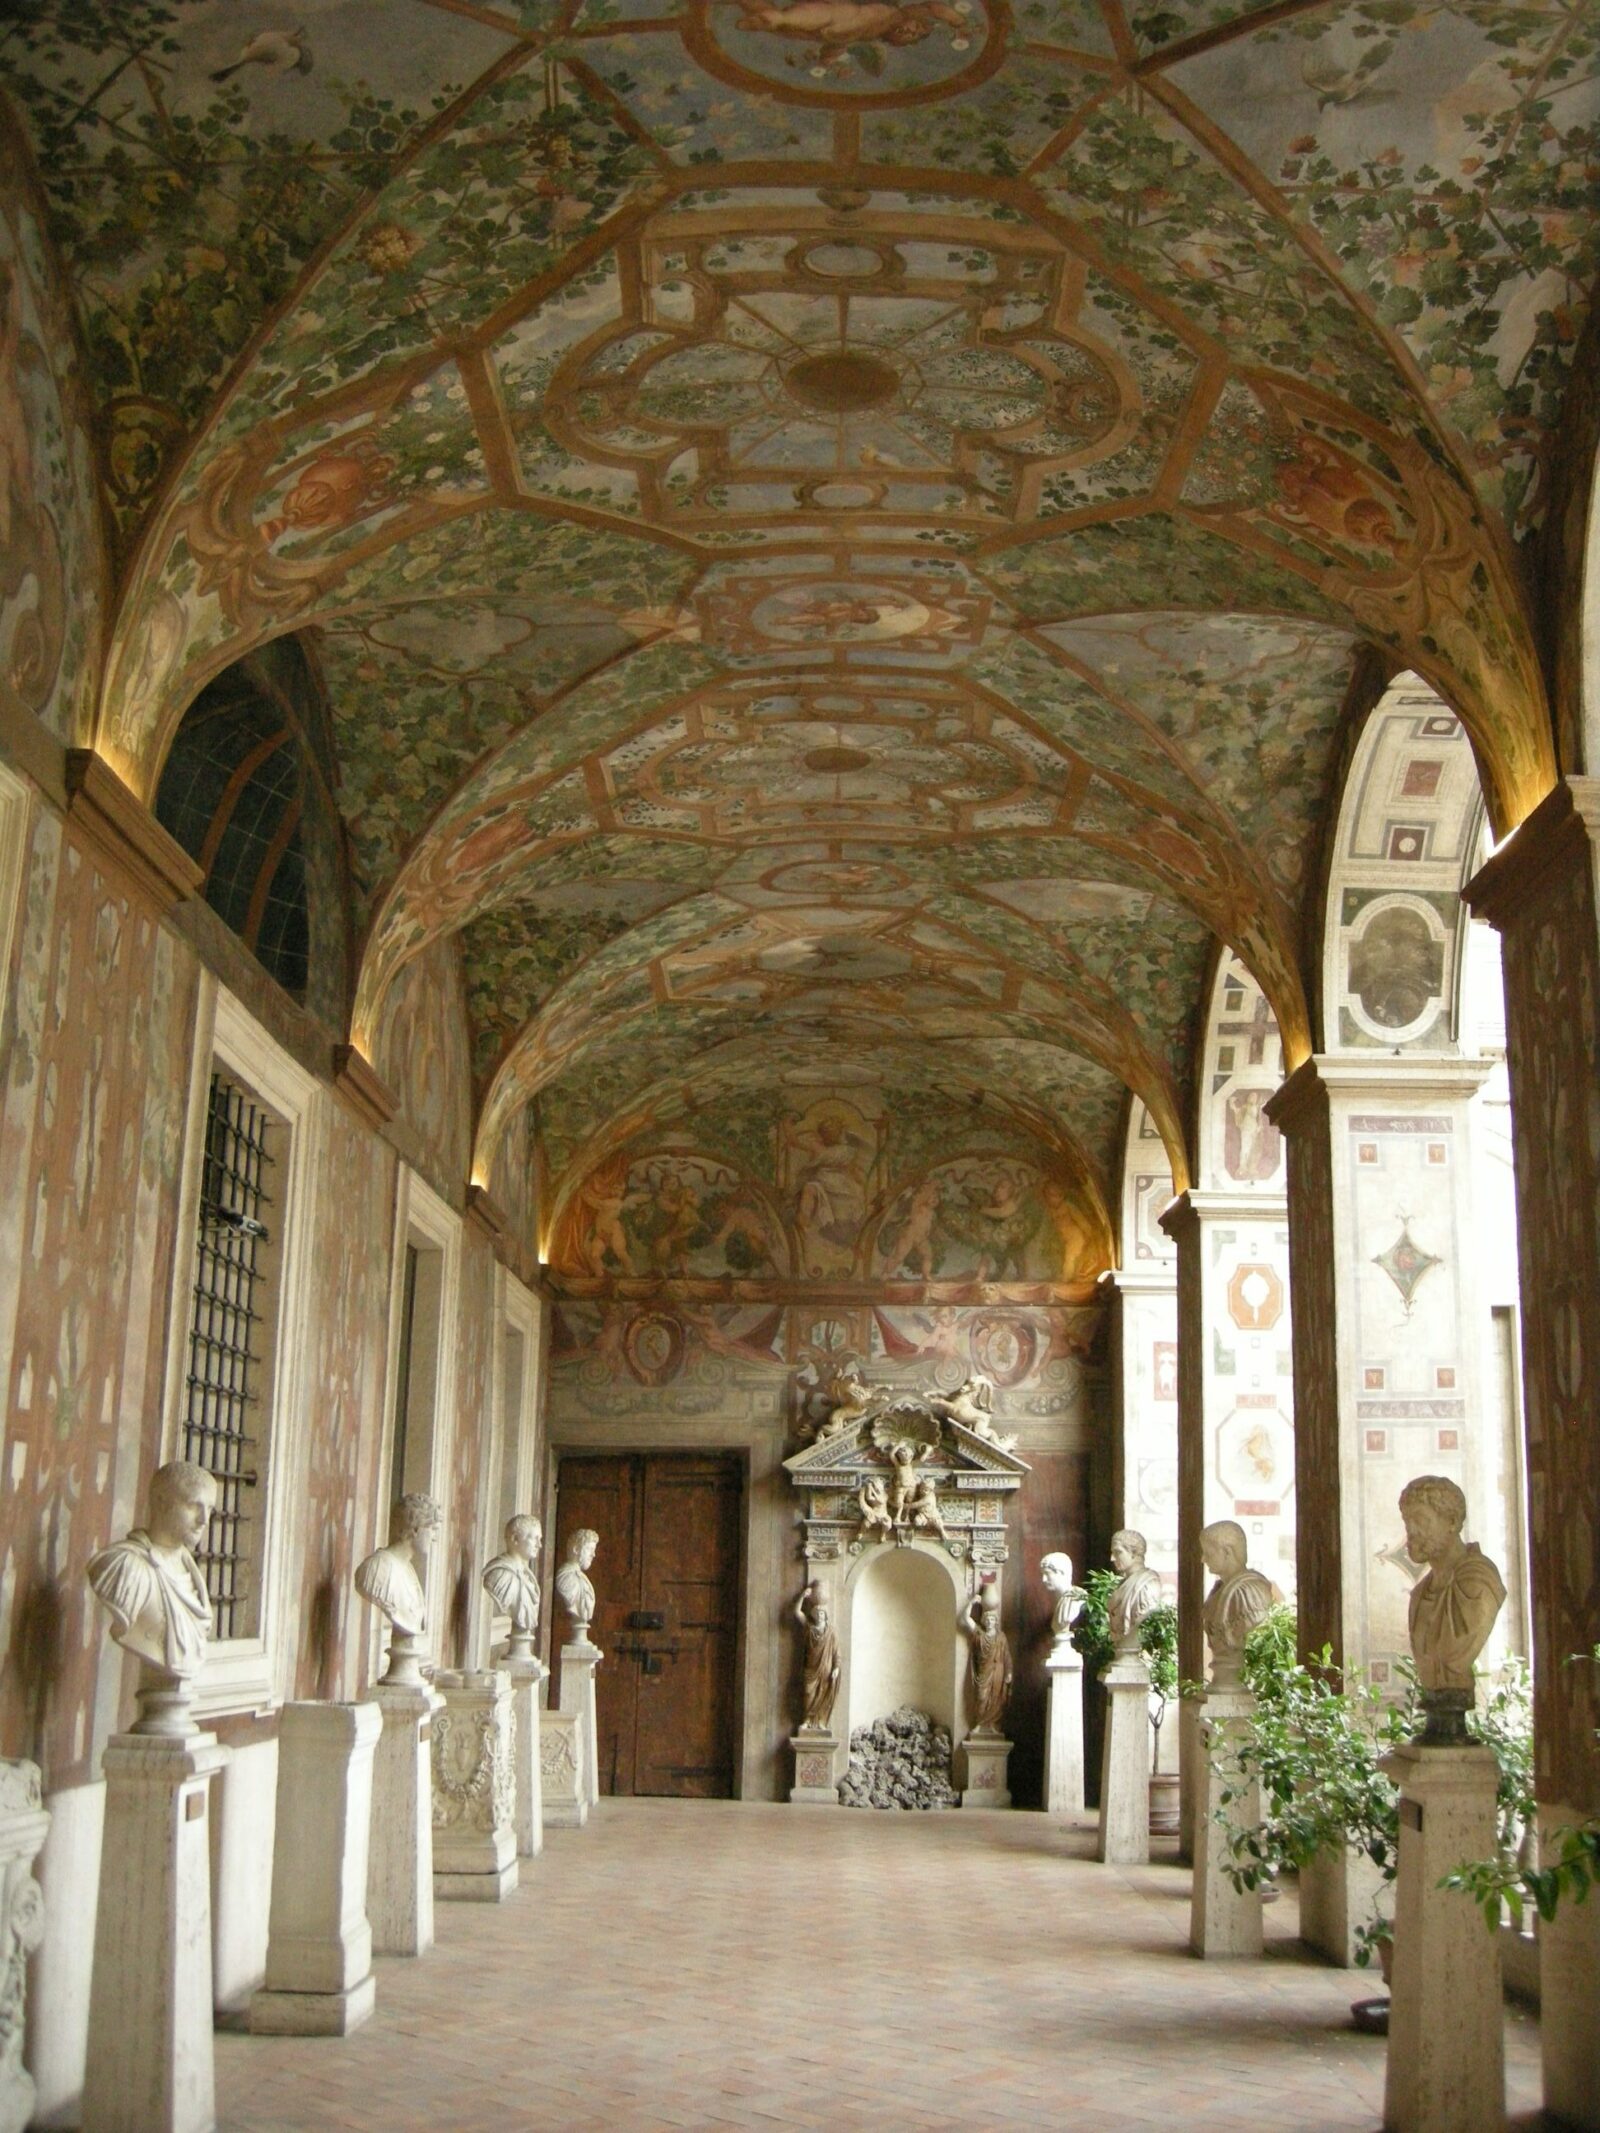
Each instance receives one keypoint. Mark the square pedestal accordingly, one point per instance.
(1223, 1920)
(816, 1770)
(150, 2066)
(1446, 2065)
(319, 1948)
(566, 1802)
(400, 1859)
(987, 1755)
(1125, 1765)
(578, 1662)
(527, 1682)
(474, 1792)
(23, 1825)
(1063, 1740)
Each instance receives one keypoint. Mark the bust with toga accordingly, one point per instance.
(1137, 1591)
(572, 1582)
(1454, 1606)
(391, 1580)
(151, 1586)
(512, 1581)
(1239, 1600)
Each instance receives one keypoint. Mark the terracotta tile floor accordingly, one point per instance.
(686, 1964)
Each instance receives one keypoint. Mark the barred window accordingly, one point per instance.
(230, 1333)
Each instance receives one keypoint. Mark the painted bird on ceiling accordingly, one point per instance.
(278, 51)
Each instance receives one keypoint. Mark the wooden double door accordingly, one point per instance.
(666, 1579)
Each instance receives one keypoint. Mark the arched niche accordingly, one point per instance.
(905, 1643)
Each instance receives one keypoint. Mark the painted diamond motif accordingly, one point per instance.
(1405, 1263)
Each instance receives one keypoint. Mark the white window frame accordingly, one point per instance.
(254, 1673)
(423, 1219)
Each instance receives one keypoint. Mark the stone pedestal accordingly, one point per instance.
(23, 1823)
(400, 1859)
(319, 1949)
(150, 2066)
(1125, 1766)
(816, 1769)
(987, 1755)
(1063, 1740)
(1446, 2067)
(566, 1796)
(1223, 1920)
(527, 1812)
(474, 1791)
(578, 1662)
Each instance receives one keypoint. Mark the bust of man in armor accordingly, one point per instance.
(572, 1581)
(1136, 1593)
(511, 1580)
(1239, 1600)
(150, 1585)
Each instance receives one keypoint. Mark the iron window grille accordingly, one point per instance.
(226, 1376)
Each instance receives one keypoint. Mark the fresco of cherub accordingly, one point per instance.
(834, 27)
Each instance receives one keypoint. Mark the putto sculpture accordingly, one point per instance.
(150, 1585)
(572, 1581)
(391, 1580)
(972, 1405)
(991, 1659)
(872, 1499)
(821, 1659)
(1240, 1598)
(1136, 1594)
(512, 1582)
(1453, 1606)
(922, 1509)
(1055, 1574)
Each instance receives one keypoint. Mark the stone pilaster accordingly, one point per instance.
(474, 1789)
(1540, 891)
(150, 2065)
(23, 1824)
(319, 1979)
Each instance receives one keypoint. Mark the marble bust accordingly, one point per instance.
(1240, 1598)
(1055, 1574)
(1137, 1592)
(572, 1582)
(391, 1580)
(512, 1581)
(150, 1585)
(1454, 1605)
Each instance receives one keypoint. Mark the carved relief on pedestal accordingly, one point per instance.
(558, 1755)
(23, 1822)
(473, 1786)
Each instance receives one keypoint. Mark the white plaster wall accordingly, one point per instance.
(902, 1636)
(1150, 1416)
(243, 1817)
(58, 1976)
(1249, 1385)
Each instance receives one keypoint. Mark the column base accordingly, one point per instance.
(312, 2014)
(987, 1755)
(476, 1887)
(816, 1770)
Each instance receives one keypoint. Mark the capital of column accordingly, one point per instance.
(1158, 1280)
(1395, 1077)
(1562, 831)
(1197, 1206)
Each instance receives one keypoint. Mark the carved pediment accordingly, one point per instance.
(863, 1446)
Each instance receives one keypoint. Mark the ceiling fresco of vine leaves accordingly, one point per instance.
(832, 530)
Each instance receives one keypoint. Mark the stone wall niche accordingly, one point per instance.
(903, 1647)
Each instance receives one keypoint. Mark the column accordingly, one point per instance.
(561, 1771)
(150, 2064)
(1540, 891)
(1388, 1361)
(23, 1824)
(474, 1793)
(1063, 1740)
(1223, 1920)
(400, 1859)
(1236, 1456)
(578, 1662)
(319, 1979)
(527, 1680)
(1446, 2062)
(1125, 1766)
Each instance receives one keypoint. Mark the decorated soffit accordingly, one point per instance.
(954, 445)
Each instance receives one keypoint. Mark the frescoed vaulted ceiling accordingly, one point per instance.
(836, 533)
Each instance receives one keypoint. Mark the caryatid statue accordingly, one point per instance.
(1137, 1593)
(1055, 1574)
(1239, 1600)
(991, 1659)
(572, 1582)
(1453, 1607)
(151, 1586)
(391, 1580)
(512, 1581)
(821, 1659)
